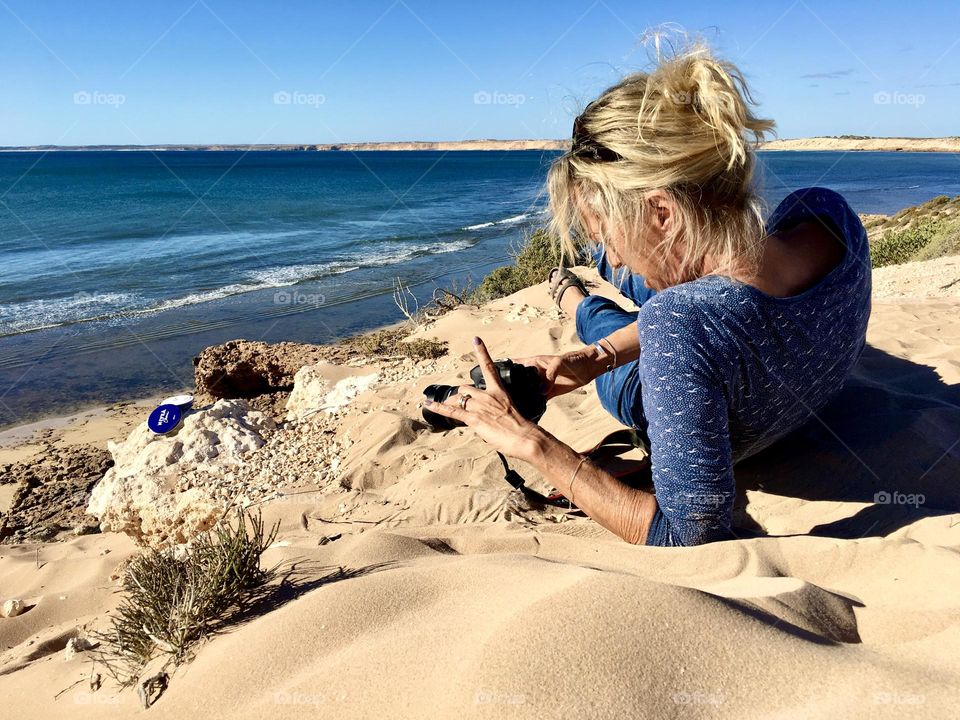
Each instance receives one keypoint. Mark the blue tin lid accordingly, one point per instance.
(164, 418)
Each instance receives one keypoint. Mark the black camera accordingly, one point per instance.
(521, 382)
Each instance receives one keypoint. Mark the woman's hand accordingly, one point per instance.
(491, 413)
(564, 373)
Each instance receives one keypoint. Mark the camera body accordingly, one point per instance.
(521, 382)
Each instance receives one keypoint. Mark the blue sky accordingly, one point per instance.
(206, 71)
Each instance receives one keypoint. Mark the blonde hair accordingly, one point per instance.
(684, 128)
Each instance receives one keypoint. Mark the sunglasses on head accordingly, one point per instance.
(586, 147)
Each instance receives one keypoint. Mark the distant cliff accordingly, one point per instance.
(840, 142)
(351, 147)
(863, 143)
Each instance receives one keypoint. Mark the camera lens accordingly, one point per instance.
(437, 394)
(521, 382)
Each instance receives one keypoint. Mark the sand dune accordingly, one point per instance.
(457, 599)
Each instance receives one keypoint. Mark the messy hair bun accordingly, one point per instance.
(687, 128)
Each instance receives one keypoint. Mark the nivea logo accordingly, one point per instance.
(164, 418)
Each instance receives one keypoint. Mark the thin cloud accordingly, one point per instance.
(829, 75)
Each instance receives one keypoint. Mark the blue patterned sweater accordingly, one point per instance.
(726, 370)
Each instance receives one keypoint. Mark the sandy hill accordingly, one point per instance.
(426, 588)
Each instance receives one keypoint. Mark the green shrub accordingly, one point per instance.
(945, 242)
(900, 246)
(532, 263)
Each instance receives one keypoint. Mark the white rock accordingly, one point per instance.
(309, 389)
(312, 392)
(347, 389)
(74, 646)
(12, 608)
(138, 495)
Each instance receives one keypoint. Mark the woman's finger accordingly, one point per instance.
(490, 374)
(450, 411)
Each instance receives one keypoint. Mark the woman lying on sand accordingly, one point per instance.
(744, 331)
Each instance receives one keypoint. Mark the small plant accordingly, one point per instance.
(174, 598)
(532, 262)
(900, 246)
(406, 301)
(390, 342)
(946, 241)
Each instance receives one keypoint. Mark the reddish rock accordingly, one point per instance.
(249, 369)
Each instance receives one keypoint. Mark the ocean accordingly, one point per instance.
(118, 267)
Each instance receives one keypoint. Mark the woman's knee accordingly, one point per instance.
(598, 316)
(619, 394)
(606, 394)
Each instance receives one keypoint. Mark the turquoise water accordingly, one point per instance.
(118, 267)
(104, 234)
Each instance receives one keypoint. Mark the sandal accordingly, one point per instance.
(560, 279)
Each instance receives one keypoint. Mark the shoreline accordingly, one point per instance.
(948, 145)
(16, 435)
(99, 422)
(18, 442)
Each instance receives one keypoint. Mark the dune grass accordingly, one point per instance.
(920, 232)
(174, 598)
(391, 342)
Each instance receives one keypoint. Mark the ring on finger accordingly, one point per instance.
(463, 400)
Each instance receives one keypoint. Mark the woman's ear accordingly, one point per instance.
(663, 211)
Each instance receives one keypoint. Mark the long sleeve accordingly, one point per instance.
(685, 403)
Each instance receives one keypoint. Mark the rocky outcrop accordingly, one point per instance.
(248, 369)
(162, 489)
(53, 488)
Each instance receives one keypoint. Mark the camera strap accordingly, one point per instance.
(615, 443)
(516, 480)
